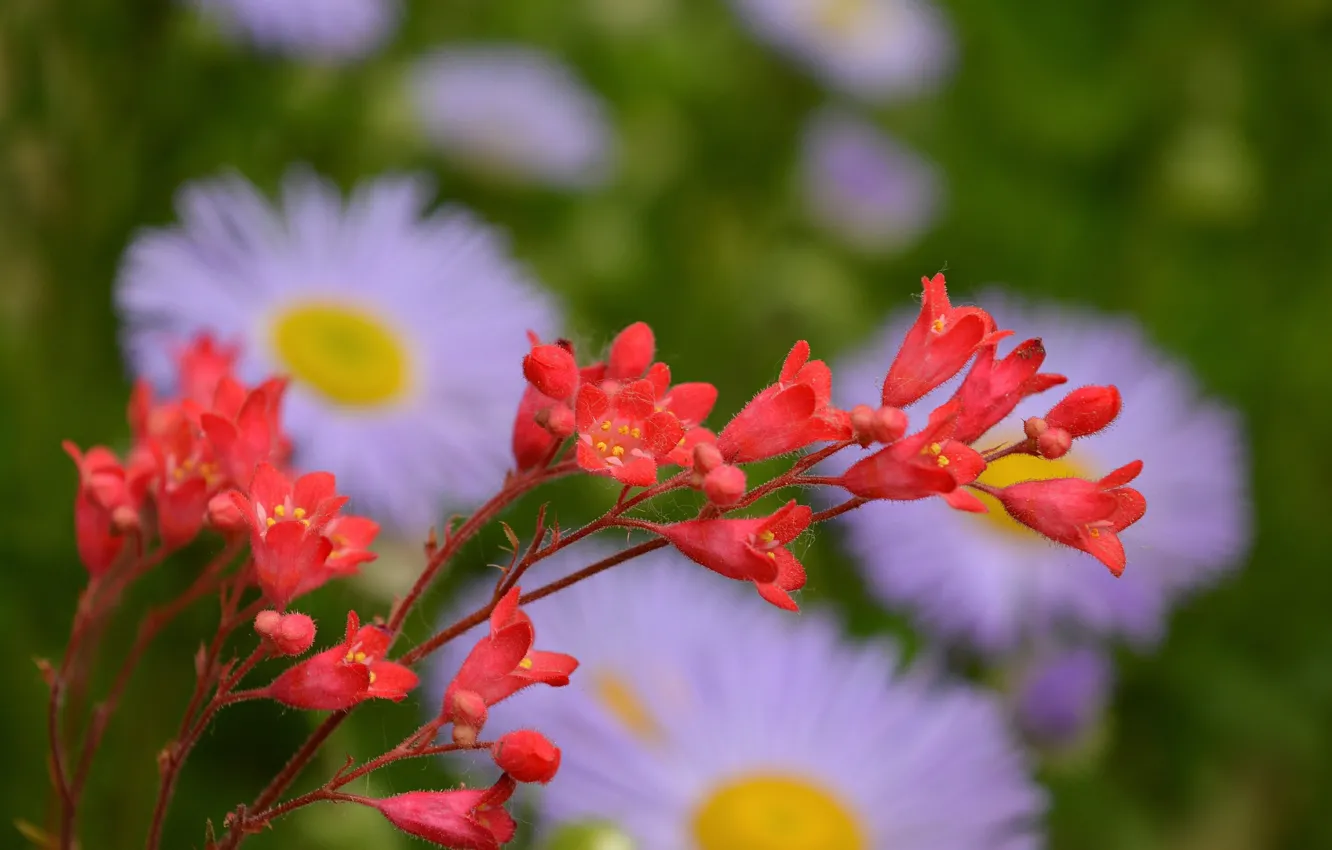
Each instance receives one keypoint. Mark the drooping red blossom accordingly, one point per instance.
(788, 415)
(624, 436)
(499, 665)
(527, 756)
(928, 463)
(345, 675)
(993, 387)
(104, 507)
(287, 523)
(751, 549)
(243, 426)
(464, 819)
(937, 346)
(1086, 515)
(201, 365)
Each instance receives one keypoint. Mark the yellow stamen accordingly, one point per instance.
(280, 510)
(767, 537)
(618, 451)
(601, 447)
(635, 433)
(938, 325)
(623, 429)
(270, 522)
(942, 460)
(299, 513)
(526, 664)
(606, 426)
(359, 657)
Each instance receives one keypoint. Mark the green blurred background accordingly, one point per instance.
(1172, 159)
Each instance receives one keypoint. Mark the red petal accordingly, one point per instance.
(312, 489)
(1132, 506)
(1106, 548)
(797, 357)
(963, 499)
(788, 521)
(659, 375)
(691, 403)
(774, 594)
(636, 400)
(590, 406)
(1121, 476)
(638, 472)
(664, 433)
(391, 681)
(269, 487)
(631, 352)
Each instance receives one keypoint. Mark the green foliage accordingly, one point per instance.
(1166, 159)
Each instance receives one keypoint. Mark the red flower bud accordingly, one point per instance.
(527, 756)
(295, 634)
(1086, 410)
(888, 424)
(266, 622)
(707, 457)
(552, 370)
(558, 420)
(223, 514)
(724, 485)
(1034, 427)
(1053, 443)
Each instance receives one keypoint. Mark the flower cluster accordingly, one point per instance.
(217, 458)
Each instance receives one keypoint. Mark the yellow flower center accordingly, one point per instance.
(348, 355)
(775, 812)
(840, 18)
(619, 699)
(1015, 468)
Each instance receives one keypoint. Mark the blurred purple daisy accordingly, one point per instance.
(862, 185)
(402, 330)
(989, 582)
(872, 49)
(515, 111)
(699, 719)
(1060, 694)
(326, 30)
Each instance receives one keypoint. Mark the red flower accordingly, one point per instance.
(1086, 515)
(463, 819)
(103, 506)
(691, 403)
(748, 549)
(202, 365)
(527, 756)
(345, 675)
(552, 370)
(286, 529)
(532, 442)
(787, 416)
(501, 664)
(928, 463)
(243, 427)
(993, 388)
(937, 346)
(624, 435)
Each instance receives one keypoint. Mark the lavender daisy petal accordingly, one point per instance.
(862, 185)
(1061, 695)
(688, 687)
(514, 110)
(873, 49)
(324, 30)
(970, 579)
(402, 329)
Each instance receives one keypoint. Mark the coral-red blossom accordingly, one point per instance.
(286, 529)
(993, 388)
(624, 436)
(103, 506)
(928, 463)
(463, 819)
(1086, 515)
(937, 346)
(499, 665)
(345, 675)
(1085, 411)
(788, 415)
(748, 549)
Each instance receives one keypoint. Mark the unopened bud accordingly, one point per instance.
(724, 485)
(266, 622)
(862, 423)
(888, 425)
(552, 370)
(467, 710)
(559, 420)
(1054, 443)
(527, 756)
(707, 457)
(294, 634)
(1086, 410)
(124, 519)
(223, 514)
(1034, 427)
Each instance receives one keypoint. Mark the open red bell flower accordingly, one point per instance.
(624, 435)
(465, 819)
(788, 415)
(928, 463)
(243, 426)
(1086, 515)
(499, 665)
(937, 346)
(345, 675)
(287, 522)
(748, 549)
(993, 387)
